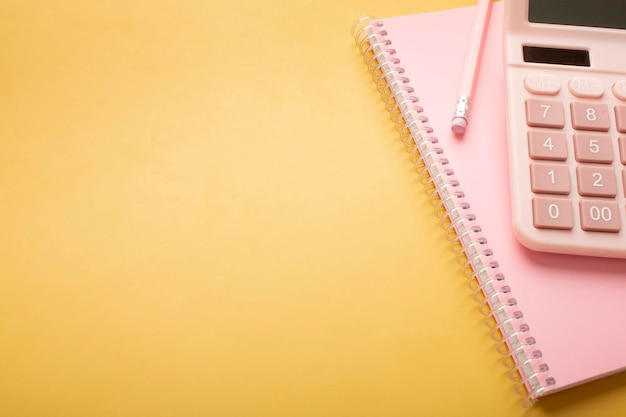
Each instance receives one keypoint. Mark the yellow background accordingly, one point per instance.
(205, 211)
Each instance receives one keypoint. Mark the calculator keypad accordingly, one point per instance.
(578, 161)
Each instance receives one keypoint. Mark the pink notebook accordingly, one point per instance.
(560, 318)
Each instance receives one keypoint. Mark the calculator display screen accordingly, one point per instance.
(609, 14)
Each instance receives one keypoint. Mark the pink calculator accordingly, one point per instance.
(565, 63)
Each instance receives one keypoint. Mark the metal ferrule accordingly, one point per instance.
(462, 107)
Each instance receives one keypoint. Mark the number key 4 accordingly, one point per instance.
(547, 145)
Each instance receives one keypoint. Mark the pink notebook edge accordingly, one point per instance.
(536, 374)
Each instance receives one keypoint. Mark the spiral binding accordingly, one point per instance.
(502, 314)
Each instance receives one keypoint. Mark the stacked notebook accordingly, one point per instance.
(559, 319)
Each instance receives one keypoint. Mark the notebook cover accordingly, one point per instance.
(574, 305)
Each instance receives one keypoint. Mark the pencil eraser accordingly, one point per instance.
(459, 124)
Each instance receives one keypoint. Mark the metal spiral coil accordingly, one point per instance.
(404, 103)
(495, 312)
(450, 234)
(507, 360)
(443, 204)
(488, 284)
(478, 292)
(449, 222)
(483, 289)
(460, 237)
(489, 300)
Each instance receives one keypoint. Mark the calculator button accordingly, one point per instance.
(550, 178)
(553, 213)
(622, 149)
(590, 116)
(586, 87)
(620, 117)
(619, 90)
(593, 147)
(600, 216)
(596, 181)
(547, 145)
(624, 180)
(542, 84)
(545, 113)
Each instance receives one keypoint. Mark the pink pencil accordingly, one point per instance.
(470, 71)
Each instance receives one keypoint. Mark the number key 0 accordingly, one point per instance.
(553, 213)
